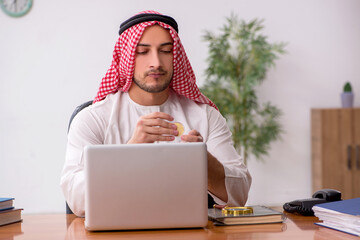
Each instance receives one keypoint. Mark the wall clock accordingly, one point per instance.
(16, 8)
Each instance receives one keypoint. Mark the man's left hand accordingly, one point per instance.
(192, 136)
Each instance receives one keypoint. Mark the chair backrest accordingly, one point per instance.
(211, 201)
(76, 111)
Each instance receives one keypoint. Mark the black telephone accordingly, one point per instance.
(304, 206)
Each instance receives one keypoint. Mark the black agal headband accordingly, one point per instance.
(145, 17)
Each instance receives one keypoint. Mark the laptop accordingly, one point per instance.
(145, 186)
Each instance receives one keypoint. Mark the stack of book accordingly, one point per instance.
(9, 214)
(258, 215)
(340, 215)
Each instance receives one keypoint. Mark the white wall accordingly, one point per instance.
(54, 58)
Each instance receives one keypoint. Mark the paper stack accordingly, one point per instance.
(340, 215)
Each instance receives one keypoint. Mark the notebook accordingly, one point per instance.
(145, 186)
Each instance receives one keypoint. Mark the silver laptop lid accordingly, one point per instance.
(145, 186)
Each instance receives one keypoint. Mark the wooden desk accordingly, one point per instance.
(64, 226)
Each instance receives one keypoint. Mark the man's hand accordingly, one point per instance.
(154, 127)
(192, 136)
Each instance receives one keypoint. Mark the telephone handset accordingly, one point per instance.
(304, 206)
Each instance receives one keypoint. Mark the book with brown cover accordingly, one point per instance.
(260, 215)
(10, 216)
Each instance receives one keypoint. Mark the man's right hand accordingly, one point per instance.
(154, 127)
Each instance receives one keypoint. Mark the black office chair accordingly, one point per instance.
(76, 111)
(211, 201)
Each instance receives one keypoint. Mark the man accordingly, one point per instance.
(149, 86)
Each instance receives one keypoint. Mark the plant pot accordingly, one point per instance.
(347, 99)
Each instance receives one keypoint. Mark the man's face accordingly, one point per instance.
(154, 60)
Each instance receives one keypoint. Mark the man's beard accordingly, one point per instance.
(153, 89)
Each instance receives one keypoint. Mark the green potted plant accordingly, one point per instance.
(238, 61)
(347, 96)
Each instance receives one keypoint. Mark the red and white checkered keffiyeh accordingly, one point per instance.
(120, 74)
